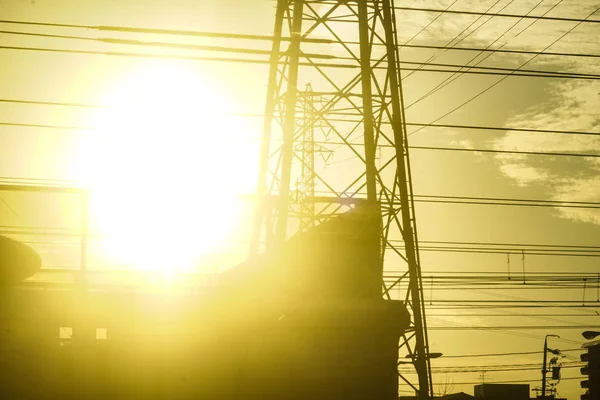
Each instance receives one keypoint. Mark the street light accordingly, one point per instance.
(544, 371)
(589, 335)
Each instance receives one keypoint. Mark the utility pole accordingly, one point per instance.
(348, 50)
(545, 363)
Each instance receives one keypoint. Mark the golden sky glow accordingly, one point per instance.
(163, 195)
(167, 160)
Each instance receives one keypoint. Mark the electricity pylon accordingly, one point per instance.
(310, 122)
(348, 51)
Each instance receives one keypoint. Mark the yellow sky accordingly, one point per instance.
(171, 150)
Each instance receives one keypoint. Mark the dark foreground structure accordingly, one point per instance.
(305, 321)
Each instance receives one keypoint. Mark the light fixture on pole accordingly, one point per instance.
(544, 365)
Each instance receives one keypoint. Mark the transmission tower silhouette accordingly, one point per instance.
(348, 52)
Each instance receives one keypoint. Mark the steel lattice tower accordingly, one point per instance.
(306, 184)
(348, 51)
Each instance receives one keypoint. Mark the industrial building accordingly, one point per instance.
(278, 326)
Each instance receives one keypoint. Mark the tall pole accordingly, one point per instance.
(545, 363)
(544, 368)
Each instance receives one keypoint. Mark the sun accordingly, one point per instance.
(166, 164)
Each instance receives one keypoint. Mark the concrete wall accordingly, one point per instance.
(185, 347)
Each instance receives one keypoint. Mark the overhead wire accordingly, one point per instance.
(429, 148)
(467, 67)
(505, 72)
(533, 380)
(452, 41)
(223, 35)
(428, 25)
(504, 78)
(181, 32)
(501, 15)
(503, 51)
(245, 50)
(259, 115)
(515, 365)
(521, 245)
(501, 354)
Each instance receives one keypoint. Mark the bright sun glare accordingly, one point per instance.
(165, 165)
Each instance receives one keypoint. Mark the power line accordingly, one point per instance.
(475, 301)
(512, 199)
(487, 369)
(512, 204)
(53, 103)
(452, 41)
(450, 306)
(501, 277)
(432, 148)
(446, 286)
(239, 50)
(428, 25)
(528, 253)
(469, 150)
(500, 273)
(180, 32)
(498, 201)
(534, 380)
(261, 37)
(500, 15)
(176, 32)
(504, 78)
(268, 52)
(456, 126)
(501, 354)
(159, 56)
(484, 70)
(458, 75)
(533, 153)
(516, 365)
(521, 245)
(495, 128)
(507, 51)
(418, 197)
(510, 316)
(465, 12)
(46, 126)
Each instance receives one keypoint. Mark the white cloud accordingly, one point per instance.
(523, 174)
(462, 143)
(572, 105)
(584, 190)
